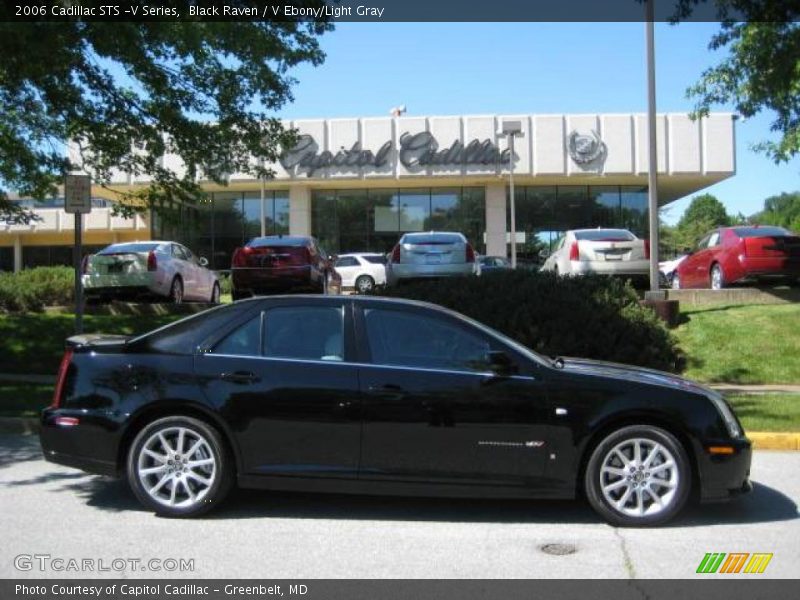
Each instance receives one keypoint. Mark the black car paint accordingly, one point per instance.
(353, 426)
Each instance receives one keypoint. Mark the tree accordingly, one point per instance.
(128, 93)
(761, 70)
(782, 210)
(704, 213)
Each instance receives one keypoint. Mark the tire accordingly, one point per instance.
(176, 291)
(365, 284)
(717, 277)
(216, 292)
(675, 281)
(627, 498)
(186, 492)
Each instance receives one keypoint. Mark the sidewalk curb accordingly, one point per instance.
(770, 440)
(762, 440)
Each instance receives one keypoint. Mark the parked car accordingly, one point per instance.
(363, 271)
(431, 254)
(282, 263)
(364, 394)
(135, 270)
(490, 264)
(667, 268)
(742, 253)
(605, 251)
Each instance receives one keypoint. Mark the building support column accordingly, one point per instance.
(17, 254)
(496, 236)
(299, 210)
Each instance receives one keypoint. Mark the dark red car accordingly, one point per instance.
(733, 254)
(278, 264)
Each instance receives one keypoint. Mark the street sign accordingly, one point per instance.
(78, 194)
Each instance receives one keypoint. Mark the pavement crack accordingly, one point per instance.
(626, 557)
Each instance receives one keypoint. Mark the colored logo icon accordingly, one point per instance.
(734, 562)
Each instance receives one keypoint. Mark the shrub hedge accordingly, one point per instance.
(591, 317)
(31, 290)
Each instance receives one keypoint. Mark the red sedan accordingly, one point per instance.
(732, 254)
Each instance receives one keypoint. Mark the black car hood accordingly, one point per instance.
(599, 368)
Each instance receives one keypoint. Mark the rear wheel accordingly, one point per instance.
(179, 467)
(176, 291)
(717, 278)
(638, 476)
(365, 284)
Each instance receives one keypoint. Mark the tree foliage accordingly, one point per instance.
(131, 92)
(782, 210)
(704, 213)
(761, 70)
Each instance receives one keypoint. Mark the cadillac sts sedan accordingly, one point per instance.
(383, 396)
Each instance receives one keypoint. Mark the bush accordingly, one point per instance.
(33, 289)
(590, 317)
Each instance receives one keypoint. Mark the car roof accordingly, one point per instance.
(322, 299)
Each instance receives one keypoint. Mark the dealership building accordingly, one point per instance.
(358, 184)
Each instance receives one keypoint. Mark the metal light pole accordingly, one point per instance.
(512, 129)
(652, 167)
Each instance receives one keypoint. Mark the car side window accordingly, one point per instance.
(347, 261)
(703, 243)
(187, 253)
(413, 340)
(714, 240)
(245, 340)
(305, 332)
(177, 252)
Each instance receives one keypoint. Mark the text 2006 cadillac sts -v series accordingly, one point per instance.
(380, 396)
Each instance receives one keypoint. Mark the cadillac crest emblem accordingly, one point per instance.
(586, 148)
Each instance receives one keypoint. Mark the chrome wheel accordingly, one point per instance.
(176, 293)
(717, 281)
(639, 477)
(176, 467)
(365, 284)
(676, 281)
(215, 294)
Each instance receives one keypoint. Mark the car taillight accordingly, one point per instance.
(239, 259)
(152, 261)
(574, 254)
(396, 254)
(647, 248)
(62, 376)
(470, 254)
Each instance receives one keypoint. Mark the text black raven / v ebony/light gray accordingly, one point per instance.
(379, 396)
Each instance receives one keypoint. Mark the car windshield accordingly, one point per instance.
(125, 248)
(432, 238)
(751, 232)
(605, 235)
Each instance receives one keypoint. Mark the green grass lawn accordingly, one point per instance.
(742, 344)
(767, 412)
(34, 343)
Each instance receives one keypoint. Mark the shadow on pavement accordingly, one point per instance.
(18, 448)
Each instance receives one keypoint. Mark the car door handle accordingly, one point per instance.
(389, 390)
(240, 377)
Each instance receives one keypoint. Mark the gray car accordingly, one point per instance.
(431, 254)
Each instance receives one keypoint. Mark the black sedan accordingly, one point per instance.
(373, 395)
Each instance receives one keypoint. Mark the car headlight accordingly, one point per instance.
(727, 414)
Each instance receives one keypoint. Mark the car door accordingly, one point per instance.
(181, 267)
(200, 287)
(700, 261)
(432, 410)
(284, 381)
(347, 267)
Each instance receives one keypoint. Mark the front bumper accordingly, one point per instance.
(723, 476)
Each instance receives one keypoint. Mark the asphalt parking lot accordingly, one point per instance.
(64, 513)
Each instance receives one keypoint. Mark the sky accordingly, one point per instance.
(510, 68)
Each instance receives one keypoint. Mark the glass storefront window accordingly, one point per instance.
(634, 210)
(373, 220)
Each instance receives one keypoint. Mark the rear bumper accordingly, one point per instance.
(128, 285)
(88, 446)
(723, 477)
(610, 267)
(770, 267)
(255, 280)
(397, 271)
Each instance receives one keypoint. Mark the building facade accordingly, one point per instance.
(358, 184)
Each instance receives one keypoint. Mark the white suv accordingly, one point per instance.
(363, 271)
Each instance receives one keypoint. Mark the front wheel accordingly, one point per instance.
(717, 278)
(176, 291)
(638, 476)
(179, 467)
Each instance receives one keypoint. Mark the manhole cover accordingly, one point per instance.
(558, 549)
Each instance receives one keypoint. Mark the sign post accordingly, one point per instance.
(78, 201)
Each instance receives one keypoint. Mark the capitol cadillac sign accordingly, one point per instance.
(416, 151)
(420, 150)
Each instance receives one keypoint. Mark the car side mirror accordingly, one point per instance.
(203, 261)
(501, 364)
